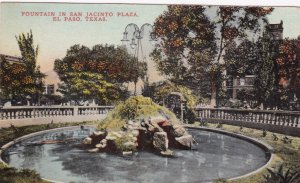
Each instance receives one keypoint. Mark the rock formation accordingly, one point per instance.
(146, 126)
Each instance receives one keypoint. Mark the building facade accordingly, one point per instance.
(49, 89)
(11, 59)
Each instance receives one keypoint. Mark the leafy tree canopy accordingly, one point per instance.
(19, 80)
(242, 59)
(96, 73)
(186, 46)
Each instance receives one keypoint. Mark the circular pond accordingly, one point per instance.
(215, 156)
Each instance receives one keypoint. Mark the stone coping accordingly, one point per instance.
(58, 107)
(266, 147)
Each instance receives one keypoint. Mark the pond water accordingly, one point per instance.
(215, 156)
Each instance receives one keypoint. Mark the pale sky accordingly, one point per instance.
(54, 38)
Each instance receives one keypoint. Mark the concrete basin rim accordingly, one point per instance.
(267, 148)
(24, 137)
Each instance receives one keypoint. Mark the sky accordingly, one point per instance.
(54, 38)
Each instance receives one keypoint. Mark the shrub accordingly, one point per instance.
(219, 125)
(281, 175)
(9, 174)
(134, 108)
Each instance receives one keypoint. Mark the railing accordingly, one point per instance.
(23, 112)
(272, 117)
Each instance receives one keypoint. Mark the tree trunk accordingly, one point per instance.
(135, 88)
(213, 100)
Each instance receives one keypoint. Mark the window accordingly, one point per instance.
(242, 81)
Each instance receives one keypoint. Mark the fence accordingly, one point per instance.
(273, 120)
(287, 122)
(24, 112)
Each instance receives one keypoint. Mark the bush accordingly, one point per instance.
(9, 175)
(282, 175)
(189, 115)
(134, 108)
(219, 125)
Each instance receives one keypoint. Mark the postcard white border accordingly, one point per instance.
(205, 2)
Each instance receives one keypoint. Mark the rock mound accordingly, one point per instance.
(139, 124)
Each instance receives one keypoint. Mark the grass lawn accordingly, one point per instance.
(12, 175)
(287, 153)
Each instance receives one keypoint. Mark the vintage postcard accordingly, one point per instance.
(133, 92)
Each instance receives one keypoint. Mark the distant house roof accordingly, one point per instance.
(12, 59)
(276, 27)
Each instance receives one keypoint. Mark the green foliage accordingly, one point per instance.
(9, 175)
(119, 142)
(264, 133)
(98, 72)
(189, 115)
(87, 85)
(163, 90)
(233, 23)
(219, 125)
(265, 82)
(281, 175)
(2, 166)
(28, 51)
(136, 107)
(19, 80)
(247, 98)
(111, 125)
(242, 59)
(187, 46)
(287, 60)
(275, 64)
(52, 99)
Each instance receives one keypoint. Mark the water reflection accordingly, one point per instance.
(215, 156)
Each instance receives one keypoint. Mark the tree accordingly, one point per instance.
(168, 94)
(99, 72)
(20, 80)
(234, 22)
(188, 51)
(241, 60)
(86, 85)
(276, 66)
(282, 175)
(265, 85)
(28, 51)
(288, 66)
(186, 46)
(139, 71)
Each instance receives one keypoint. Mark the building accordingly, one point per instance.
(240, 83)
(49, 89)
(276, 31)
(11, 59)
(247, 83)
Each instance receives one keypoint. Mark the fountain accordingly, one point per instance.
(139, 141)
(140, 124)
